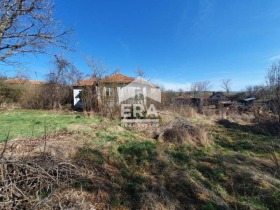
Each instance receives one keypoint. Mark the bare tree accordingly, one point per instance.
(259, 91)
(97, 67)
(200, 88)
(273, 83)
(64, 72)
(59, 81)
(140, 73)
(226, 84)
(194, 88)
(205, 86)
(181, 91)
(91, 94)
(28, 26)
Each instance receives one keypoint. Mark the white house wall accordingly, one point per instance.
(129, 91)
(77, 100)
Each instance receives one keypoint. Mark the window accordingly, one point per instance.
(108, 91)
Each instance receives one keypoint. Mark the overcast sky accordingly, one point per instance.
(175, 42)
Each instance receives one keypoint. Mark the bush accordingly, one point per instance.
(183, 132)
(47, 96)
(9, 94)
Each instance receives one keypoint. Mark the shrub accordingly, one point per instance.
(9, 94)
(183, 132)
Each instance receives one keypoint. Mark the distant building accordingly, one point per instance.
(247, 101)
(218, 96)
(188, 100)
(219, 99)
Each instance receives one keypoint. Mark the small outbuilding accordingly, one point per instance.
(189, 100)
(247, 101)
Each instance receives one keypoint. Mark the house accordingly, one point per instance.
(110, 87)
(115, 89)
(138, 91)
(218, 96)
(78, 87)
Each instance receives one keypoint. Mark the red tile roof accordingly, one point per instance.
(24, 81)
(86, 82)
(117, 78)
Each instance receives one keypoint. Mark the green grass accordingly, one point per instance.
(138, 151)
(32, 123)
(237, 167)
(246, 142)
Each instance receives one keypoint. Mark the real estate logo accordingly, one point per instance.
(134, 101)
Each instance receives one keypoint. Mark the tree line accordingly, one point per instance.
(29, 27)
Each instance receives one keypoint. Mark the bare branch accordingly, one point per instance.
(29, 27)
(273, 85)
(199, 88)
(140, 73)
(226, 84)
(59, 80)
(98, 69)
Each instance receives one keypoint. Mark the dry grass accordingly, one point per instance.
(183, 111)
(200, 165)
(182, 131)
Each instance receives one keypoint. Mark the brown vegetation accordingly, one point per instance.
(195, 164)
(182, 131)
